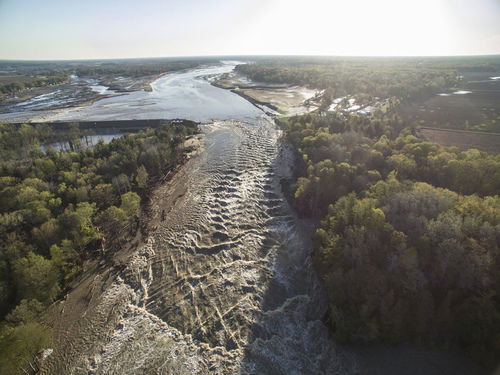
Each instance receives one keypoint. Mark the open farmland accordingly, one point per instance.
(474, 105)
(462, 139)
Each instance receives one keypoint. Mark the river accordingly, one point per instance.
(186, 94)
(225, 284)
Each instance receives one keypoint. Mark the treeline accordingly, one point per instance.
(26, 75)
(13, 85)
(365, 78)
(409, 245)
(489, 64)
(136, 69)
(58, 209)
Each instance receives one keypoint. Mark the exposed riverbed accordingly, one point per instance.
(185, 94)
(223, 285)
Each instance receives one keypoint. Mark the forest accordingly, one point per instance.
(137, 68)
(14, 84)
(409, 243)
(423, 86)
(367, 79)
(59, 208)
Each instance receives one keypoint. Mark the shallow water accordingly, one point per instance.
(73, 93)
(178, 95)
(186, 94)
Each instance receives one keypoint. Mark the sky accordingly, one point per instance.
(98, 29)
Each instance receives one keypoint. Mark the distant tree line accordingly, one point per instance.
(136, 69)
(17, 84)
(30, 75)
(56, 209)
(366, 79)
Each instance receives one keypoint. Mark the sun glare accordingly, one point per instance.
(361, 27)
(249, 27)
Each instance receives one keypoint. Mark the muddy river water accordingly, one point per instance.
(224, 285)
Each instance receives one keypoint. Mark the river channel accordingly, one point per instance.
(224, 284)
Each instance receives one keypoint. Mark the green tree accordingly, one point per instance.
(131, 204)
(65, 258)
(78, 224)
(19, 346)
(27, 311)
(113, 219)
(36, 278)
(103, 195)
(47, 233)
(121, 183)
(404, 165)
(142, 177)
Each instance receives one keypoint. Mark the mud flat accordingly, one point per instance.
(287, 101)
(51, 102)
(129, 84)
(75, 92)
(274, 99)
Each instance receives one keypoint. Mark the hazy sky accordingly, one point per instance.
(69, 29)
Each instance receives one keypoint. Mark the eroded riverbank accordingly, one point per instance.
(224, 281)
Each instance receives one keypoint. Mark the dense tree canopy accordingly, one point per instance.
(56, 208)
(411, 260)
(340, 155)
(13, 84)
(409, 245)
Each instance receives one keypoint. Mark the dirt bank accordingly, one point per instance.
(279, 99)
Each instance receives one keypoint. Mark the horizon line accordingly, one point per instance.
(241, 55)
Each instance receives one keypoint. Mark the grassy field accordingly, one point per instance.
(462, 139)
(473, 105)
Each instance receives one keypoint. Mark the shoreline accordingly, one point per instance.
(55, 113)
(274, 100)
(256, 103)
(89, 292)
(48, 114)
